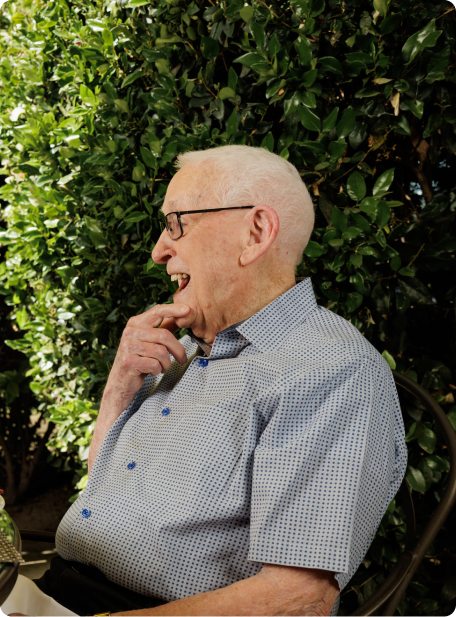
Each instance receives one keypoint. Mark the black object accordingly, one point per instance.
(388, 596)
(9, 572)
(85, 590)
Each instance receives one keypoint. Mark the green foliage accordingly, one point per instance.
(97, 100)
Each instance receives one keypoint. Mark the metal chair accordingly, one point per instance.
(388, 596)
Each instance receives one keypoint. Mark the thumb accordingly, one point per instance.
(169, 324)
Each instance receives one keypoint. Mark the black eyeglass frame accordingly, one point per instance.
(179, 214)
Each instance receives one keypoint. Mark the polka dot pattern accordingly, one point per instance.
(284, 446)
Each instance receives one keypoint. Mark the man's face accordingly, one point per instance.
(208, 252)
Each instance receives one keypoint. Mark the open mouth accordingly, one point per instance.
(182, 279)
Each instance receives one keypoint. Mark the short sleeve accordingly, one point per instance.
(329, 462)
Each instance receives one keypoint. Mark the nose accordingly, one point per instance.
(163, 250)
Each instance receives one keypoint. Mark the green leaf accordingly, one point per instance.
(249, 59)
(328, 63)
(383, 213)
(107, 37)
(406, 272)
(134, 3)
(390, 23)
(330, 122)
(210, 48)
(313, 249)
(227, 93)
(437, 65)
(292, 103)
(138, 174)
(258, 34)
(135, 217)
(308, 99)
(149, 159)
(232, 79)
(346, 124)
(383, 183)
(304, 50)
(435, 121)
(366, 93)
(268, 142)
(428, 440)
(92, 225)
(415, 479)
(369, 206)
(415, 44)
(122, 105)
(317, 7)
(338, 219)
(336, 150)
(416, 107)
(353, 301)
(308, 119)
(381, 6)
(402, 126)
(389, 358)
(273, 47)
(437, 463)
(356, 186)
(129, 79)
(356, 259)
(232, 123)
(88, 96)
(359, 221)
(31, 76)
(246, 13)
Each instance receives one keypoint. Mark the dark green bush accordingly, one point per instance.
(96, 100)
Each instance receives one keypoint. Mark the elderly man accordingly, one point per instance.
(244, 469)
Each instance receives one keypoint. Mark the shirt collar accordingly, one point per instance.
(268, 328)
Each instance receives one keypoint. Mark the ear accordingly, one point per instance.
(262, 232)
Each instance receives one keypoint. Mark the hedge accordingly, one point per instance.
(96, 100)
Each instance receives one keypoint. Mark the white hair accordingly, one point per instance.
(249, 175)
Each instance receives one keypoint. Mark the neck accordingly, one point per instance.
(246, 299)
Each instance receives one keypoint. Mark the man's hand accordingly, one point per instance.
(144, 350)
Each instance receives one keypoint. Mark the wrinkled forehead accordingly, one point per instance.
(193, 187)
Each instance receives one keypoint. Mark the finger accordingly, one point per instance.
(154, 352)
(133, 336)
(155, 315)
(169, 324)
(143, 365)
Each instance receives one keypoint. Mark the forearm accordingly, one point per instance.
(263, 594)
(247, 597)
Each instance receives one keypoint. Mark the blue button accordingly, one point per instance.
(131, 465)
(203, 362)
(86, 513)
(166, 411)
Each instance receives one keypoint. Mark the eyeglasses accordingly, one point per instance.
(173, 224)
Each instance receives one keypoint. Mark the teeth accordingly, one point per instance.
(178, 277)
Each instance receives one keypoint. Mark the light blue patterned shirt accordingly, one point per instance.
(284, 446)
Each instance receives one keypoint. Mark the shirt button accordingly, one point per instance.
(203, 362)
(131, 465)
(166, 411)
(86, 513)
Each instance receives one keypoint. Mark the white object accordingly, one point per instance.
(28, 599)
